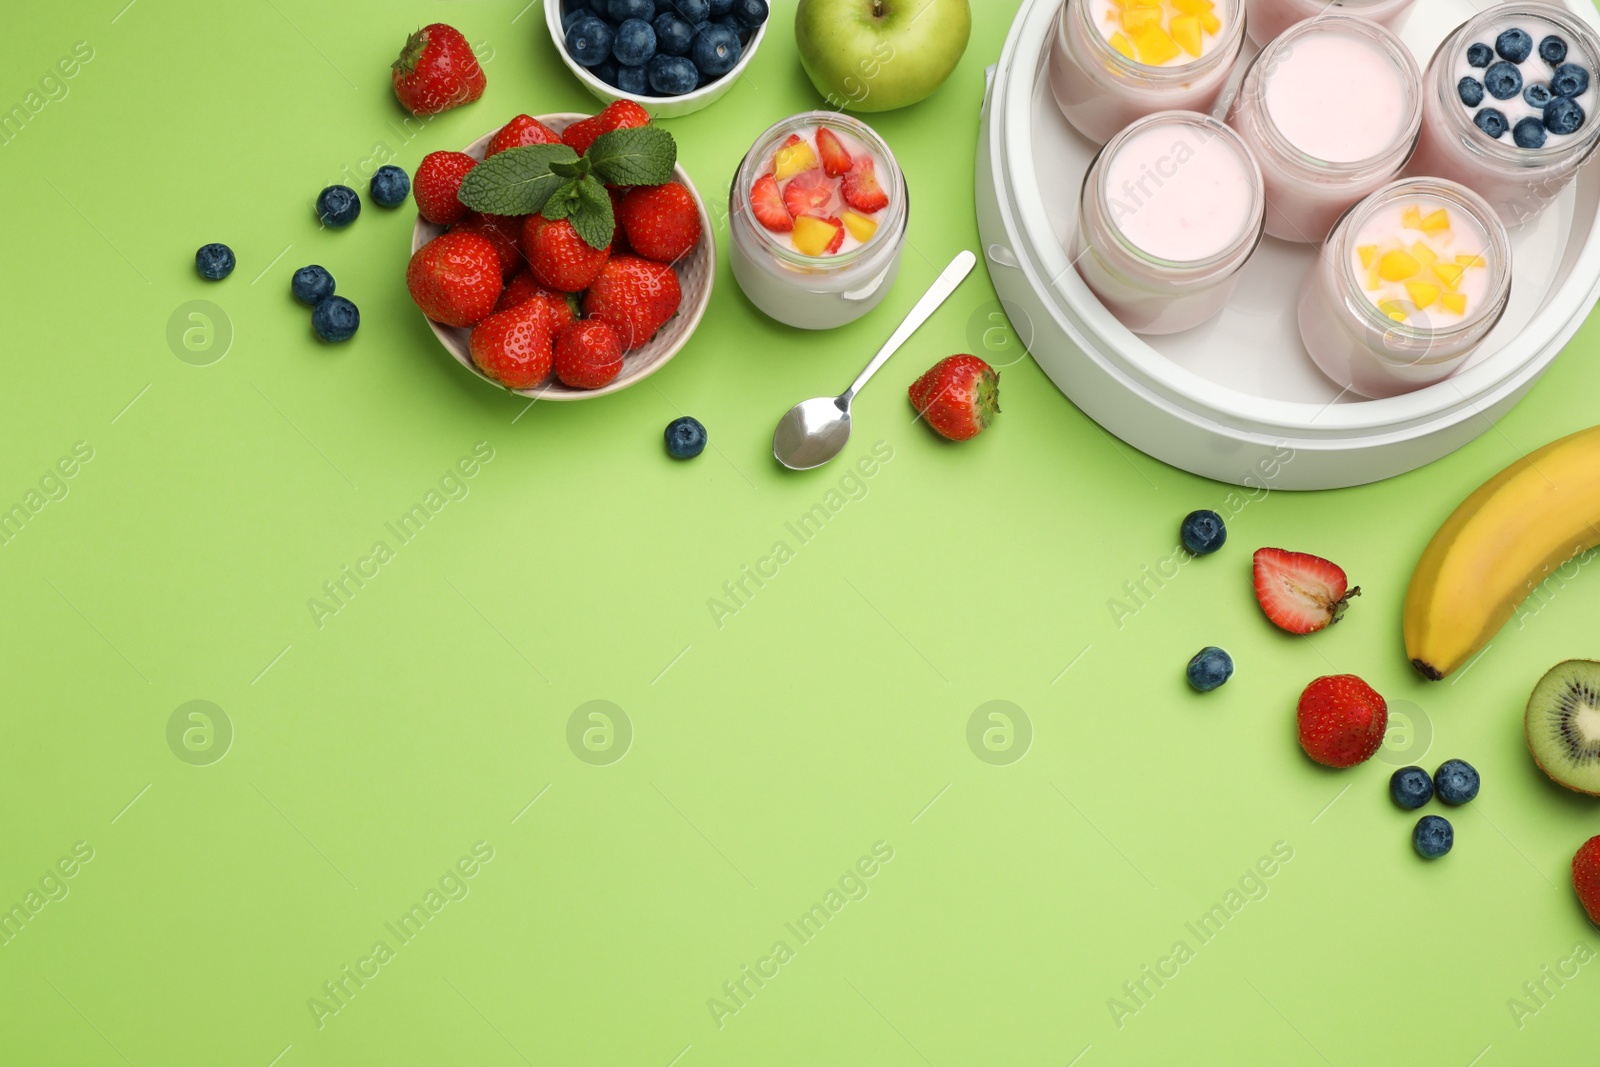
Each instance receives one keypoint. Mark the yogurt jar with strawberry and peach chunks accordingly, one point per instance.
(817, 221)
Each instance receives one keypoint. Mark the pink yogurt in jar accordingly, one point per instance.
(1171, 211)
(1331, 111)
(1116, 61)
(1269, 18)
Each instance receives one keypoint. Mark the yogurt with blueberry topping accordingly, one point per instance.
(1521, 80)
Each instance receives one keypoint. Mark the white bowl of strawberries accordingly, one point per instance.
(577, 261)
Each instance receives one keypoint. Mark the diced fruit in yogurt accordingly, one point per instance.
(767, 205)
(1456, 303)
(1423, 254)
(1135, 19)
(1449, 273)
(1413, 263)
(1123, 45)
(859, 226)
(809, 194)
(1155, 46)
(814, 236)
(836, 159)
(1436, 220)
(812, 177)
(793, 159)
(1367, 254)
(1397, 266)
(861, 189)
(1187, 32)
(1422, 294)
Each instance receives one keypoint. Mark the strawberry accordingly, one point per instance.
(455, 278)
(503, 231)
(436, 71)
(959, 396)
(588, 354)
(636, 296)
(861, 189)
(525, 287)
(1299, 592)
(1586, 878)
(619, 240)
(438, 180)
(519, 132)
(662, 222)
(515, 347)
(1342, 720)
(836, 160)
(558, 257)
(621, 115)
(811, 193)
(766, 203)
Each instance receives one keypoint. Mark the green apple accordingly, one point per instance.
(877, 55)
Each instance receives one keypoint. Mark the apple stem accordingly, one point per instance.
(877, 9)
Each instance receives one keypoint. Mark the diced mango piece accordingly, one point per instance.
(1145, 3)
(1411, 217)
(794, 159)
(1470, 261)
(1194, 7)
(1398, 266)
(1424, 255)
(1210, 23)
(1422, 294)
(1436, 220)
(1456, 302)
(812, 235)
(1393, 310)
(1135, 19)
(1367, 253)
(1186, 31)
(1373, 281)
(860, 227)
(1449, 273)
(1155, 46)
(1123, 45)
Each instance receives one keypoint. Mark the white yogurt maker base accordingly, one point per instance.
(1238, 399)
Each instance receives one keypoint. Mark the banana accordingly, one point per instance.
(1497, 547)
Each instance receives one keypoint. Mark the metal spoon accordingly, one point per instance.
(814, 431)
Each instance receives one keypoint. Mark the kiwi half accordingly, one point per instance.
(1563, 724)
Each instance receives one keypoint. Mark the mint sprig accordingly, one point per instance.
(517, 181)
(644, 155)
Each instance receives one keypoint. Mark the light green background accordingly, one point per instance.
(768, 755)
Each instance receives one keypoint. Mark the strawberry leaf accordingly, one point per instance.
(517, 181)
(592, 216)
(643, 155)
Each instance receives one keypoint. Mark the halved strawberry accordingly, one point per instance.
(766, 203)
(838, 237)
(861, 189)
(836, 161)
(1299, 592)
(812, 193)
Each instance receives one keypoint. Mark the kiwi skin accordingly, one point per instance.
(1528, 717)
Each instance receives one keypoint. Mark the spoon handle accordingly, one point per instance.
(953, 276)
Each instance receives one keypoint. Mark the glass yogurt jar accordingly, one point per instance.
(1170, 213)
(1115, 61)
(1509, 106)
(1410, 282)
(817, 221)
(1268, 18)
(1331, 110)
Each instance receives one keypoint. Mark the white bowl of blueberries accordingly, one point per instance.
(676, 56)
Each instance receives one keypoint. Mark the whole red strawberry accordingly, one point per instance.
(525, 287)
(519, 132)
(662, 222)
(436, 71)
(1342, 720)
(637, 296)
(1586, 877)
(558, 257)
(503, 231)
(438, 180)
(1300, 592)
(588, 354)
(959, 396)
(621, 115)
(515, 347)
(455, 278)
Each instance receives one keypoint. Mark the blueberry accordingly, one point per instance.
(335, 319)
(1480, 55)
(1503, 80)
(1537, 96)
(338, 205)
(1514, 45)
(1411, 787)
(692, 11)
(214, 261)
(1552, 50)
(1433, 836)
(1470, 90)
(1456, 781)
(1528, 133)
(389, 186)
(1209, 668)
(674, 35)
(719, 8)
(1569, 80)
(601, 8)
(311, 285)
(750, 13)
(589, 42)
(633, 81)
(1203, 532)
(1563, 115)
(571, 19)
(635, 43)
(716, 50)
(686, 438)
(673, 75)
(621, 11)
(1494, 123)
(606, 71)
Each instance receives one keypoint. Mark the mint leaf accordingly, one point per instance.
(592, 216)
(562, 203)
(644, 155)
(580, 169)
(517, 181)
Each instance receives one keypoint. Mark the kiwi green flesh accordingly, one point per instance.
(1563, 725)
